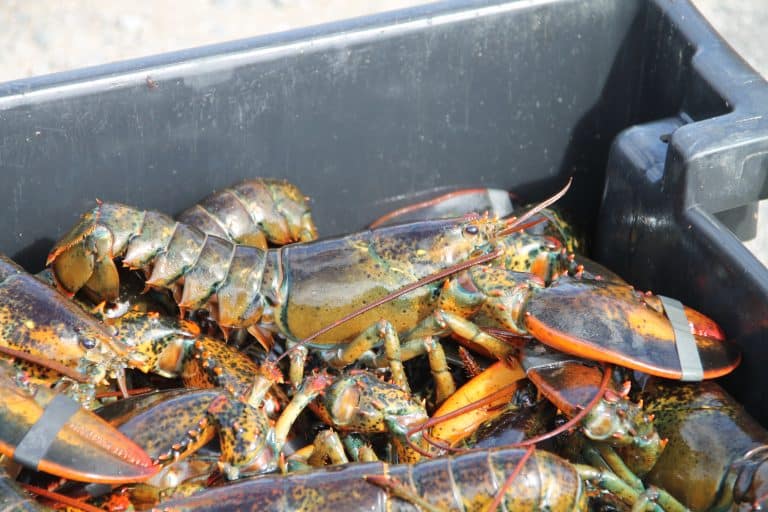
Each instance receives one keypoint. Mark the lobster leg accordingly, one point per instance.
(380, 332)
(310, 389)
(358, 448)
(438, 364)
(327, 447)
(605, 457)
(172, 425)
(608, 481)
(443, 323)
(383, 332)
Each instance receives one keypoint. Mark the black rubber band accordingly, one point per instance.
(35, 443)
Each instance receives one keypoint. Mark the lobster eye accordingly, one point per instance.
(87, 343)
(471, 230)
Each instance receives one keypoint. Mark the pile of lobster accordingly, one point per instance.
(216, 361)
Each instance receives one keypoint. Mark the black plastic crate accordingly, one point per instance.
(661, 124)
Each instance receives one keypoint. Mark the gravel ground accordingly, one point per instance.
(743, 24)
(45, 36)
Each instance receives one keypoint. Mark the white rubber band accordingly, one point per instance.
(687, 351)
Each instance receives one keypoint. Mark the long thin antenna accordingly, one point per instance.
(514, 223)
(397, 293)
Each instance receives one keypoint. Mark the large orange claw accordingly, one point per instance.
(611, 322)
(86, 448)
(497, 379)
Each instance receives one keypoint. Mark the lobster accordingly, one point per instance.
(467, 482)
(42, 326)
(713, 442)
(713, 455)
(300, 289)
(46, 335)
(238, 406)
(513, 478)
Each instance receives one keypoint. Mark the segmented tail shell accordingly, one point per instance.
(255, 212)
(204, 271)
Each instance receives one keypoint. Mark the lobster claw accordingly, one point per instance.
(172, 424)
(609, 321)
(50, 433)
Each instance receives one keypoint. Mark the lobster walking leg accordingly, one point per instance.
(327, 447)
(383, 332)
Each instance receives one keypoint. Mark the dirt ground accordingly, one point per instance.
(46, 36)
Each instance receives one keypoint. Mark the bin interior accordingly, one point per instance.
(517, 95)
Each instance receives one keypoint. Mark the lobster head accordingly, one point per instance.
(50, 330)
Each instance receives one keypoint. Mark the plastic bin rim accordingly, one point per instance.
(220, 57)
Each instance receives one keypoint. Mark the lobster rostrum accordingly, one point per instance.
(300, 289)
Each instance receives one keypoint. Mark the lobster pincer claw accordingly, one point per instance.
(52, 433)
(611, 322)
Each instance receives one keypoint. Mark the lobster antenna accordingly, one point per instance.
(508, 482)
(431, 422)
(514, 223)
(423, 204)
(61, 498)
(397, 293)
(607, 370)
(512, 226)
(47, 363)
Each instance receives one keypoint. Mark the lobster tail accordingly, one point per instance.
(83, 258)
(255, 212)
(204, 271)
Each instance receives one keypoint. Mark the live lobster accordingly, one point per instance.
(52, 342)
(300, 289)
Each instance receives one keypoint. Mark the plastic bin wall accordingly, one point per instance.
(518, 95)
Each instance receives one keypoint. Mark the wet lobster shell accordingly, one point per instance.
(717, 454)
(466, 482)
